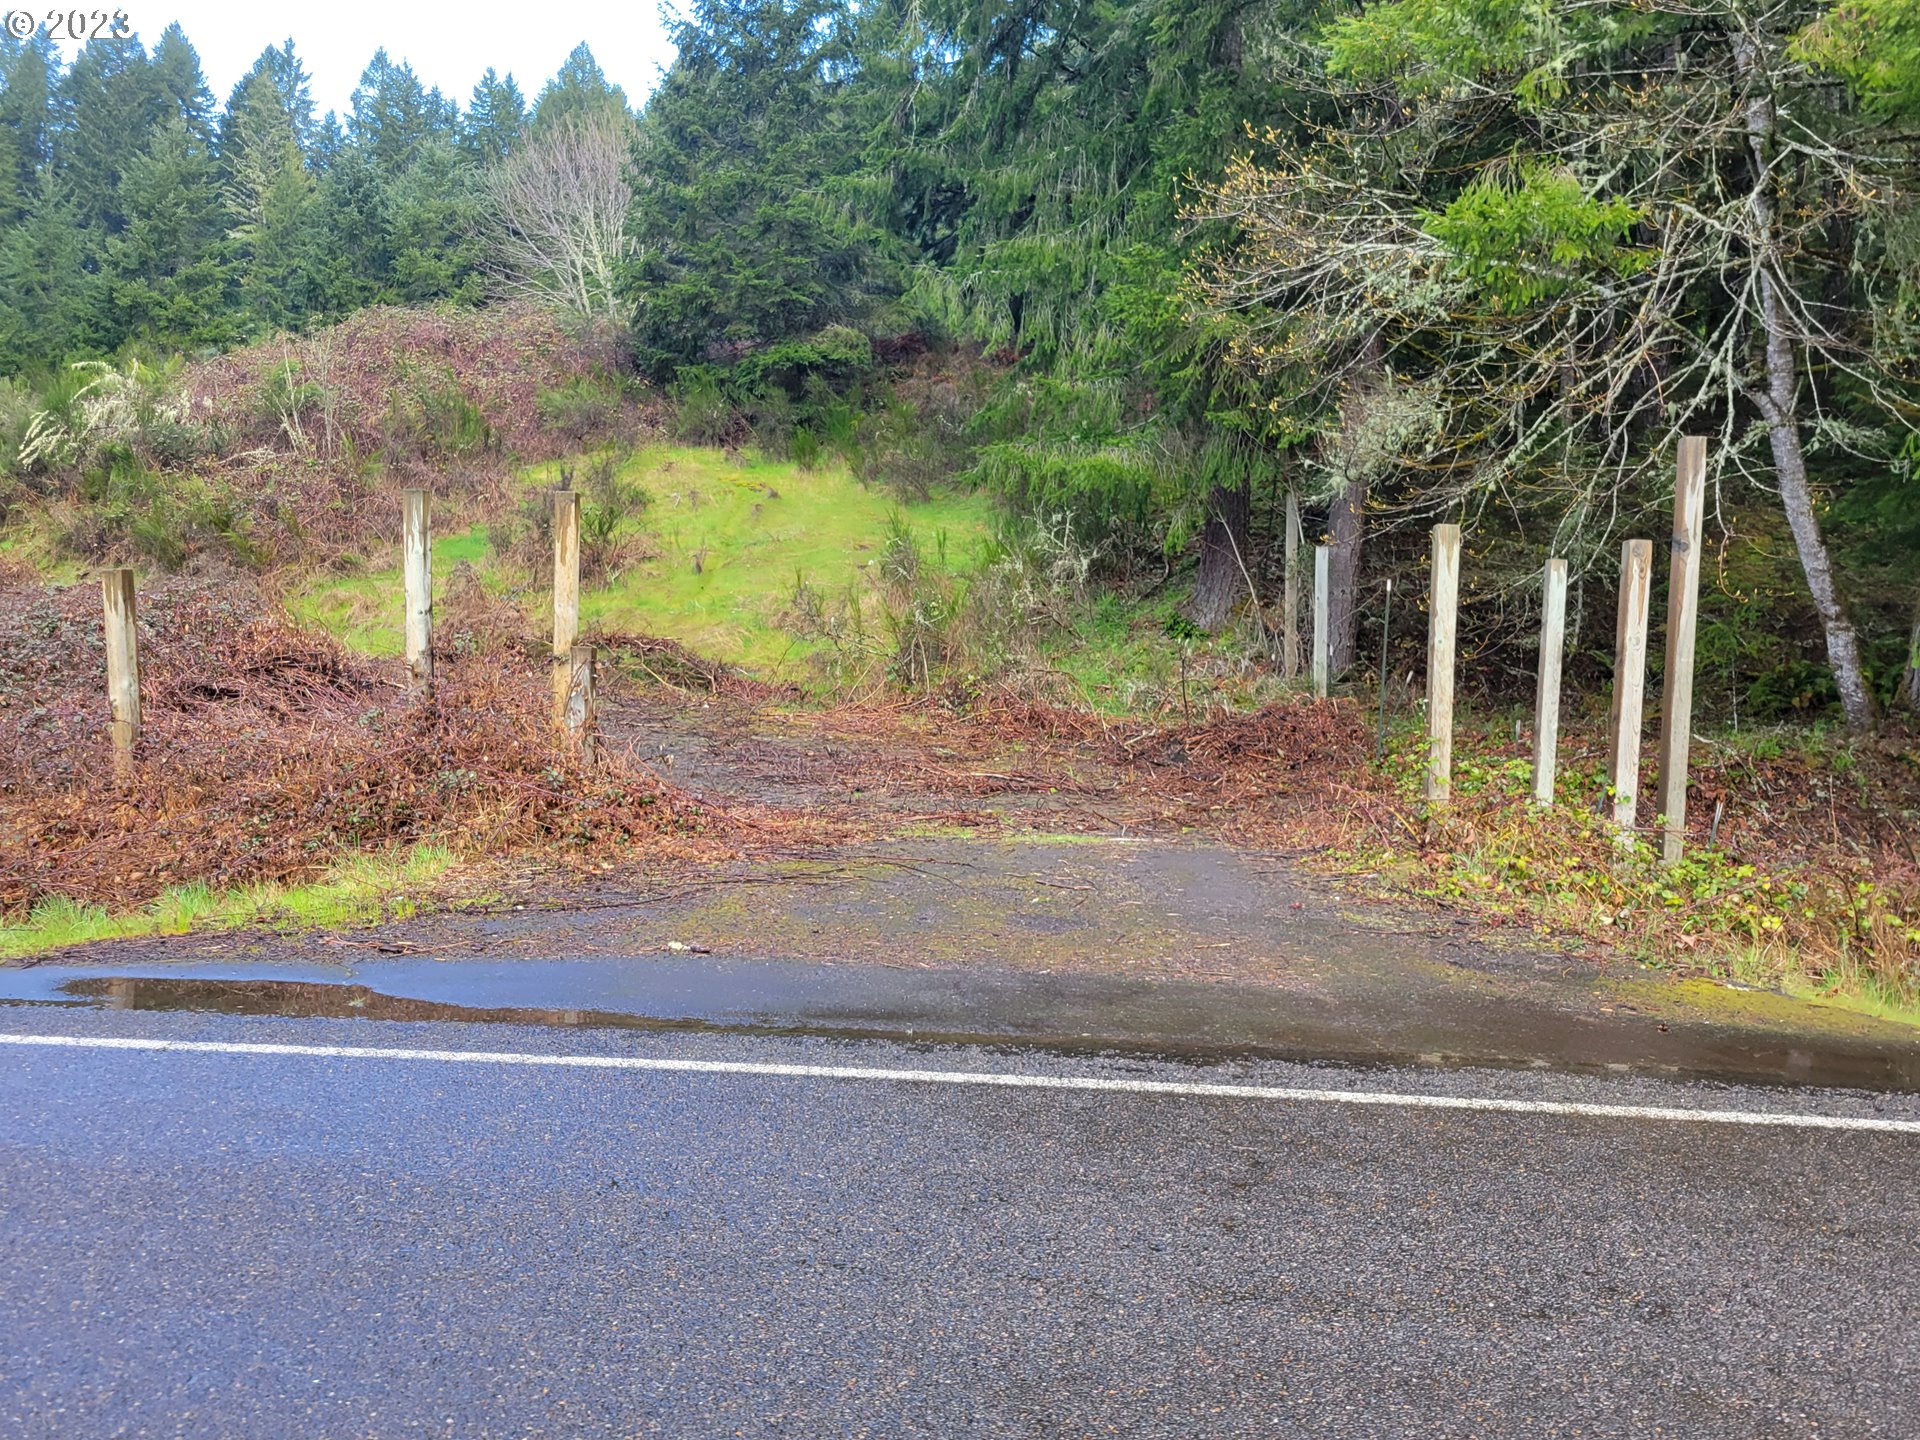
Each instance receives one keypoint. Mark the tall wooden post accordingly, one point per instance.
(580, 714)
(566, 593)
(1629, 680)
(1683, 608)
(1290, 593)
(416, 571)
(1322, 559)
(123, 669)
(1443, 621)
(1546, 695)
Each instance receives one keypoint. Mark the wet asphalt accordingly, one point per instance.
(246, 1245)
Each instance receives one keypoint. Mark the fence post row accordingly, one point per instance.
(416, 570)
(1683, 606)
(566, 595)
(1629, 681)
(1442, 628)
(123, 669)
(1546, 699)
(1322, 559)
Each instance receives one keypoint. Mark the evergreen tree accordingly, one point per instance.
(182, 84)
(277, 82)
(394, 115)
(46, 293)
(579, 89)
(27, 69)
(268, 189)
(495, 118)
(741, 238)
(113, 102)
(167, 284)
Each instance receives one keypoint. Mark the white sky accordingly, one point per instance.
(448, 45)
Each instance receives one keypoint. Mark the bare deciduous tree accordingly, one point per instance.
(559, 211)
(1656, 250)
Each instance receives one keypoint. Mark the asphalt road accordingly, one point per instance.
(222, 1244)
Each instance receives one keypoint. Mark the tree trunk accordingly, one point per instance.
(1346, 524)
(1223, 548)
(1779, 405)
(1910, 682)
(1295, 549)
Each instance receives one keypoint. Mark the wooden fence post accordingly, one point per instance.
(1290, 593)
(581, 714)
(566, 594)
(123, 669)
(416, 570)
(1443, 621)
(1629, 681)
(1546, 697)
(1322, 557)
(1683, 608)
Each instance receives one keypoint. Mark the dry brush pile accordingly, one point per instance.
(268, 752)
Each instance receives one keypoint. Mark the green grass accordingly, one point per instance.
(354, 889)
(724, 543)
(30, 540)
(731, 540)
(363, 610)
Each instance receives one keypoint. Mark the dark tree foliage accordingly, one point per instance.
(744, 231)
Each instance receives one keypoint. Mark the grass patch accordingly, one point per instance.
(363, 611)
(358, 888)
(722, 544)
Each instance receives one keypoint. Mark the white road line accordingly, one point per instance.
(972, 1077)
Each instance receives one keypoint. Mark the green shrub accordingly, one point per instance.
(702, 413)
(581, 410)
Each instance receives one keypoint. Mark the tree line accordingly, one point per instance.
(137, 212)
(1480, 260)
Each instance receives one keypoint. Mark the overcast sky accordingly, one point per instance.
(448, 45)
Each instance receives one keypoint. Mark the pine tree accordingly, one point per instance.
(113, 102)
(46, 293)
(394, 115)
(495, 118)
(27, 69)
(167, 284)
(740, 237)
(579, 89)
(182, 84)
(268, 189)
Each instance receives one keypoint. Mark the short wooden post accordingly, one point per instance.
(1546, 695)
(1290, 593)
(1683, 607)
(566, 594)
(1322, 558)
(1443, 619)
(581, 713)
(416, 571)
(1629, 680)
(123, 669)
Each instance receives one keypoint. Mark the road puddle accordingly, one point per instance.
(1074, 1014)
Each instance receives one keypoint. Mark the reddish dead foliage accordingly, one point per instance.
(267, 752)
(499, 358)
